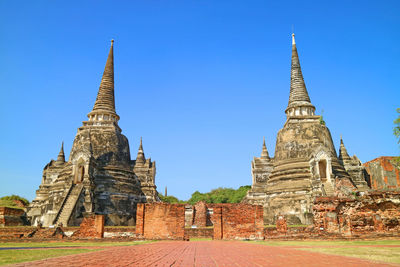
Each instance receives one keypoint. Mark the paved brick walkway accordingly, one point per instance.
(202, 253)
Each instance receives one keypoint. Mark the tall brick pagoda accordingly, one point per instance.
(305, 164)
(99, 176)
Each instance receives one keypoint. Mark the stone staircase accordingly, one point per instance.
(328, 188)
(68, 205)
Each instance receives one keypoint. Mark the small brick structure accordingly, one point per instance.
(92, 226)
(160, 221)
(281, 224)
(383, 173)
(11, 216)
(238, 221)
(200, 214)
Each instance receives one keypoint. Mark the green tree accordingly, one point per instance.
(396, 129)
(220, 195)
(168, 199)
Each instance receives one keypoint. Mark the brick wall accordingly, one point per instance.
(92, 226)
(384, 174)
(202, 232)
(237, 221)
(11, 216)
(15, 232)
(160, 221)
(375, 212)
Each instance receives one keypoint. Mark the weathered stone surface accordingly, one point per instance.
(99, 175)
(384, 173)
(305, 164)
(354, 168)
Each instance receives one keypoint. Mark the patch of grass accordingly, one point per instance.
(73, 244)
(9, 204)
(385, 254)
(298, 225)
(317, 243)
(23, 255)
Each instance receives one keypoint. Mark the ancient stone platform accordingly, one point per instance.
(202, 253)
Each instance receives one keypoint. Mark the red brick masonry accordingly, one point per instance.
(375, 212)
(92, 226)
(384, 175)
(203, 254)
(237, 221)
(11, 216)
(160, 221)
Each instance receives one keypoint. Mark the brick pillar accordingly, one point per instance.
(99, 225)
(218, 227)
(259, 221)
(140, 218)
(281, 224)
(200, 214)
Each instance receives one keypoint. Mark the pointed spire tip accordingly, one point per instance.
(293, 40)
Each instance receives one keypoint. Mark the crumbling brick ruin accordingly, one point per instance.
(12, 217)
(375, 212)
(200, 214)
(99, 176)
(384, 173)
(161, 221)
(238, 221)
(92, 226)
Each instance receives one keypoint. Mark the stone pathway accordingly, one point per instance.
(202, 253)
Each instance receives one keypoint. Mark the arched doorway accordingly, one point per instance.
(322, 170)
(79, 174)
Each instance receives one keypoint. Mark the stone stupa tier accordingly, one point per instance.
(99, 176)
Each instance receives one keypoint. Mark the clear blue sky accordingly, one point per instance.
(201, 81)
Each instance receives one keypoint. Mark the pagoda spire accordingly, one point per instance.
(299, 101)
(104, 107)
(61, 156)
(264, 153)
(343, 155)
(140, 156)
